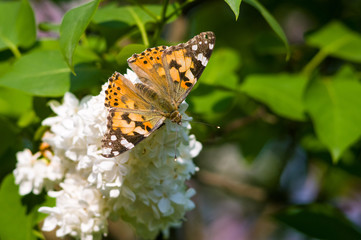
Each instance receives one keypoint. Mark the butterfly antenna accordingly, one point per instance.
(207, 124)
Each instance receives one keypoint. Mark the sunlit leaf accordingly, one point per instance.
(12, 211)
(281, 92)
(36, 75)
(13, 102)
(272, 22)
(337, 40)
(221, 69)
(17, 24)
(210, 101)
(319, 221)
(234, 5)
(73, 26)
(334, 107)
(114, 13)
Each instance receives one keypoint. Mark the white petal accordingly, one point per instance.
(114, 193)
(107, 165)
(190, 192)
(25, 188)
(49, 223)
(164, 206)
(178, 198)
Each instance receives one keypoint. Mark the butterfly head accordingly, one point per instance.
(175, 117)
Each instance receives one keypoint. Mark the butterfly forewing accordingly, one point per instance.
(184, 63)
(150, 71)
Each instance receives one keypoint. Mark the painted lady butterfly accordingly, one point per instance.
(167, 75)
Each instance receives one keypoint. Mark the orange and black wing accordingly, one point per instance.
(153, 85)
(131, 118)
(185, 62)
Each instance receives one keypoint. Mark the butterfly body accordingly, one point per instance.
(164, 77)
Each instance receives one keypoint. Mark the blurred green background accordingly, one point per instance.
(283, 84)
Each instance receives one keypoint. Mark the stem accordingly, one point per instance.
(323, 53)
(140, 26)
(13, 48)
(164, 10)
(152, 15)
(161, 22)
(315, 61)
(180, 7)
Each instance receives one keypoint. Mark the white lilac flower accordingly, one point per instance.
(35, 172)
(157, 180)
(78, 129)
(67, 128)
(145, 185)
(80, 210)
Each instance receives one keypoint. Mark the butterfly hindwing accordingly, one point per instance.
(130, 117)
(126, 129)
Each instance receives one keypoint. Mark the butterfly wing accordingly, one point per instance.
(185, 62)
(149, 68)
(131, 118)
(166, 76)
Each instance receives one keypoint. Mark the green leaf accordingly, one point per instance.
(14, 103)
(337, 40)
(40, 73)
(49, 27)
(114, 13)
(272, 22)
(319, 221)
(221, 69)
(234, 5)
(210, 101)
(281, 92)
(17, 25)
(334, 107)
(128, 51)
(4, 67)
(87, 76)
(73, 26)
(12, 211)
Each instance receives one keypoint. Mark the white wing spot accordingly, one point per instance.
(194, 47)
(109, 143)
(211, 46)
(116, 153)
(204, 61)
(113, 138)
(126, 144)
(107, 151)
(202, 58)
(205, 42)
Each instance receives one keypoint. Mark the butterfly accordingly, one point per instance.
(166, 76)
